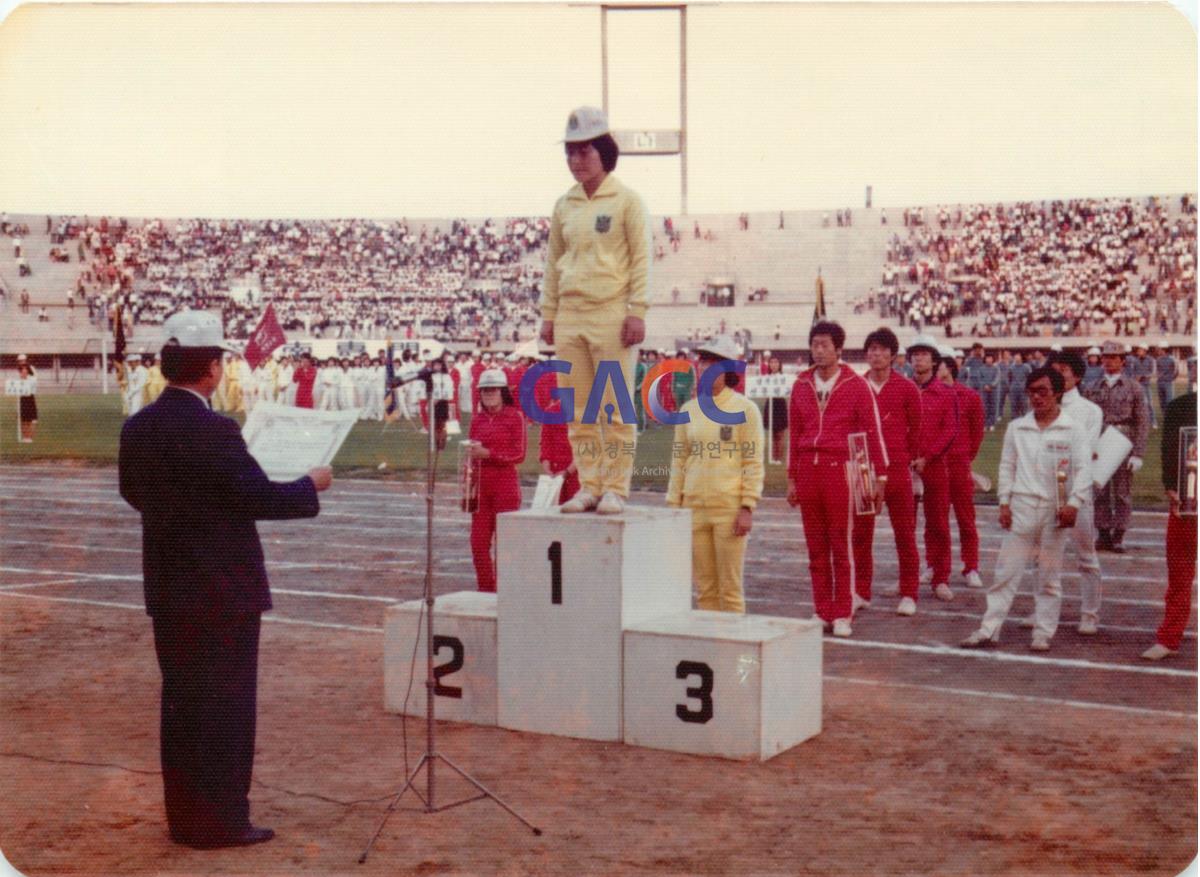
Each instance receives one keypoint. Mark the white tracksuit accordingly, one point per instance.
(1027, 484)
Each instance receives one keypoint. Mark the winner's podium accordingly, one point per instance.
(568, 587)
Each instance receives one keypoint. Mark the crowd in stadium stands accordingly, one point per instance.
(328, 279)
(1078, 267)
(1062, 268)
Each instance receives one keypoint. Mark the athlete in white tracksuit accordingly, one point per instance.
(327, 382)
(1037, 448)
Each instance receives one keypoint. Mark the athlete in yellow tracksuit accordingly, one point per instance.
(717, 472)
(594, 302)
(155, 382)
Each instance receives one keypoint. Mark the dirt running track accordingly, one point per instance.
(929, 762)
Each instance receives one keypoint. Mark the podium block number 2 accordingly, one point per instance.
(455, 645)
(554, 553)
(701, 692)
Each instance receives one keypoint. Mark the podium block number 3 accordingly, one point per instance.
(554, 553)
(701, 692)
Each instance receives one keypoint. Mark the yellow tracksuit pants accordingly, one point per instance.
(717, 557)
(603, 451)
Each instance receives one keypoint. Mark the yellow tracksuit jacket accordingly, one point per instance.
(599, 251)
(715, 471)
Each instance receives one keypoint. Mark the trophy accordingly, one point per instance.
(861, 474)
(1062, 475)
(469, 469)
(1187, 470)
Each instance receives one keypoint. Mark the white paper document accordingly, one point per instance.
(546, 495)
(288, 441)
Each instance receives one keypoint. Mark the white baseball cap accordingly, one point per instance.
(196, 329)
(946, 352)
(585, 123)
(924, 342)
(493, 377)
(721, 346)
(1093, 351)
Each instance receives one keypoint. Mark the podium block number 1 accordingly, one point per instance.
(702, 692)
(554, 553)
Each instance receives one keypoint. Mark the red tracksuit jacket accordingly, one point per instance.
(899, 404)
(851, 408)
(502, 433)
(939, 419)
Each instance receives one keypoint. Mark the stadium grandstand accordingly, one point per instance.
(1008, 275)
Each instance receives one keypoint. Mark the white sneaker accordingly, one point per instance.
(943, 592)
(908, 606)
(927, 575)
(976, 640)
(611, 504)
(1087, 626)
(1040, 643)
(973, 580)
(1029, 622)
(841, 627)
(857, 603)
(580, 502)
(1157, 652)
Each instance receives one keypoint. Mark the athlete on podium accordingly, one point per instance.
(594, 304)
(717, 472)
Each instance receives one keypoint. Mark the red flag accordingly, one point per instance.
(265, 339)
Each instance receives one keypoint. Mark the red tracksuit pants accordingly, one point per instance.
(936, 506)
(902, 511)
(499, 491)
(570, 485)
(1181, 569)
(826, 510)
(962, 499)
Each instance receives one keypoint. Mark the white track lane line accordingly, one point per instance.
(322, 521)
(28, 585)
(1007, 657)
(267, 617)
(1015, 619)
(989, 695)
(1022, 698)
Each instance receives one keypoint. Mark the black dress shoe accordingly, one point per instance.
(249, 835)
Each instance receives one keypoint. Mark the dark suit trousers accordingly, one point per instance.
(210, 674)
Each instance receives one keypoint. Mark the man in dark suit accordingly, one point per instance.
(188, 472)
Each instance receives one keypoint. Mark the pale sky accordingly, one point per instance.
(456, 110)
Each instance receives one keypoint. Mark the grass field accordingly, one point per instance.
(86, 429)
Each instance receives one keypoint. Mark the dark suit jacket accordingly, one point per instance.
(187, 470)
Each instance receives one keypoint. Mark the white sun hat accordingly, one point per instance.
(196, 329)
(585, 123)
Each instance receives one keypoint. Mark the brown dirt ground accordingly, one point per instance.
(899, 782)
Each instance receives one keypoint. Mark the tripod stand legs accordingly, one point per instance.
(427, 763)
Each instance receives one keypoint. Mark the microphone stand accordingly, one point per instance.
(431, 756)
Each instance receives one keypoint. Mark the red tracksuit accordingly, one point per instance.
(502, 433)
(556, 450)
(817, 467)
(899, 403)
(1181, 569)
(543, 388)
(939, 425)
(958, 465)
